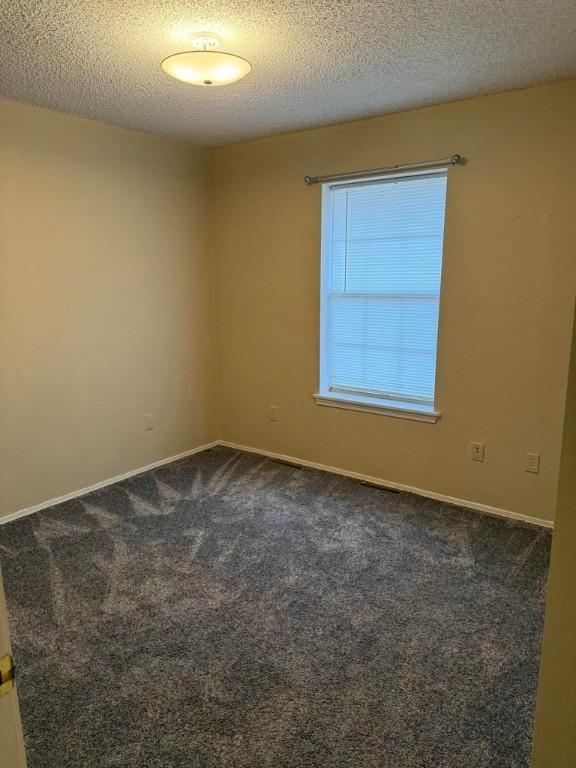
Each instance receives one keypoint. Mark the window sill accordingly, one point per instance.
(394, 408)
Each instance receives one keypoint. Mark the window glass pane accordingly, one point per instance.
(381, 344)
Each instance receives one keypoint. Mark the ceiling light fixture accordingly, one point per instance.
(206, 66)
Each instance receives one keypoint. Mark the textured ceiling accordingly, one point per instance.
(314, 63)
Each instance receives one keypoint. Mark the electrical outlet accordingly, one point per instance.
(477, 451)
(148, 423)
(273, 413)
(533, 463)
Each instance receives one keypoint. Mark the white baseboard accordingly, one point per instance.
(103, 483)
(485, 508)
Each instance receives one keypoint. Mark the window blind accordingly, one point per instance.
(382, 260)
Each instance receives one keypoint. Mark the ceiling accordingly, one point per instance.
(314, 61)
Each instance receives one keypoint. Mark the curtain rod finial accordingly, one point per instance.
(308, 180)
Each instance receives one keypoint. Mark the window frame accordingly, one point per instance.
(399, 408)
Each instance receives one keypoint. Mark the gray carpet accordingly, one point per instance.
(227, 610)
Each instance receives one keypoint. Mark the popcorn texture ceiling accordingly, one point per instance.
(314, 62)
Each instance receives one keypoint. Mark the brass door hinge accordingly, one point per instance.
(6, 674)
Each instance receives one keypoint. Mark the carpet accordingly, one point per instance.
(230, 611)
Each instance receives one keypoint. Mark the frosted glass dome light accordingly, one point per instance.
(206, 66)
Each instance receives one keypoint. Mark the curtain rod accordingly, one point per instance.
(454, 160)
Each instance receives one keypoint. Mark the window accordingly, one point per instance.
(381, 268)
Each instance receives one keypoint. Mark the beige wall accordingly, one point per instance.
(555, 732)
(105, 303)
(508, 283)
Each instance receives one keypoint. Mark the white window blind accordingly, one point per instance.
(381, 270)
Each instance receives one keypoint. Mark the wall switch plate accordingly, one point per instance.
(477, 451)
(273, 413)
(533, 463)
(148, 423)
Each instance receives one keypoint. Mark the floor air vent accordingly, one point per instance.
(379, 487)
(287, 463)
